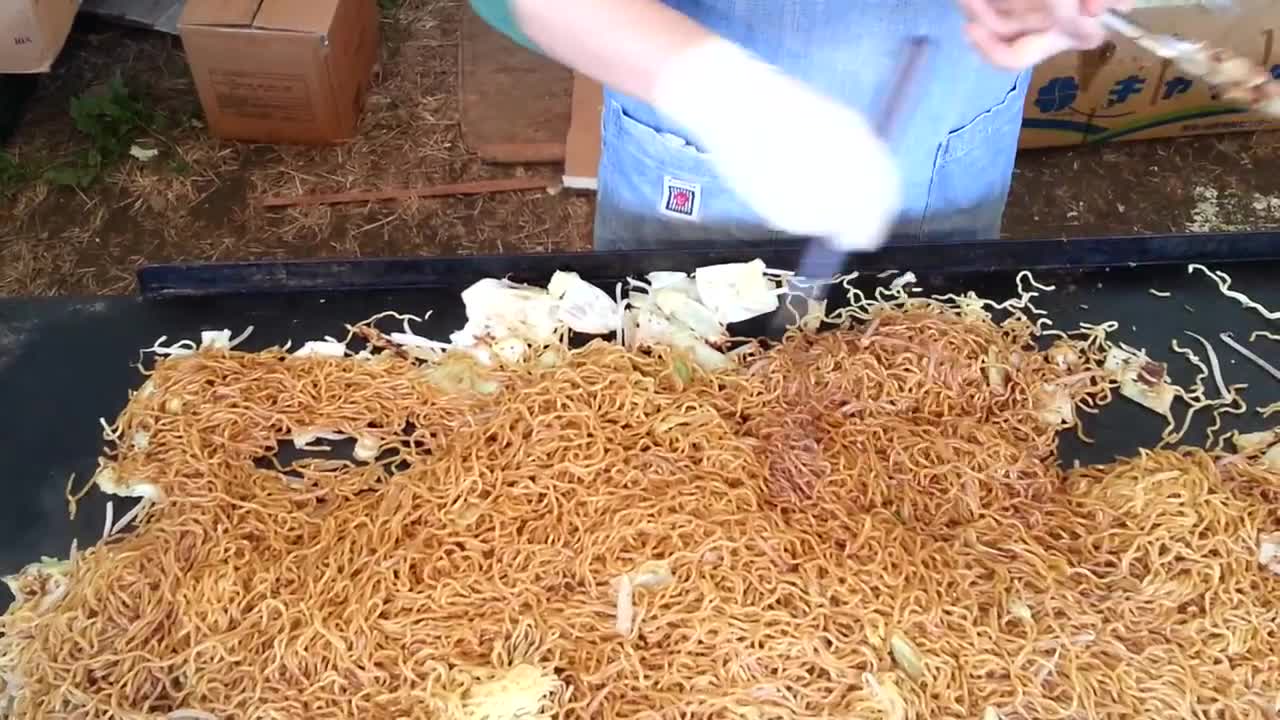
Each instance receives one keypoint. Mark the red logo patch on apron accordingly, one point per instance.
(681, 199)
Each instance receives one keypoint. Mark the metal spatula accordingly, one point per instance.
(821, 260)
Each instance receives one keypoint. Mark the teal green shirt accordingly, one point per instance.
(498, 14)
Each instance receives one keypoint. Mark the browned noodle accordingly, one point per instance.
(837, 491)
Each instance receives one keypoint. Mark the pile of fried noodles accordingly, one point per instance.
(870, 522)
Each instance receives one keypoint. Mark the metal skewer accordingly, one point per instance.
(1238, 79)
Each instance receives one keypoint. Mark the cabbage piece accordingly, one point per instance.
(1253, 442)
(367, 449)
(652, 575)
(631, 326)
(458, 374)
(887, 695)
(997, 374)
(222, 340)
(1064, 355)
(681, 282)
(561, 281)
(906, 656)
(737, 291)
(553, 356)
(1269, 552)
(584, 307)
(625, 610)
(181, 348)
(1053, 405)
(1271, 459)
(1021, 610)
(510, 350)
(653, 329)
(44, 583)
(523, 692)
(1141, 379)
(303, 439)
(417, 346)
(692, 314)
(190, 714)
(815, 313)
(640, 300)
(903, 280)
(321, 349)
(500, 308)
(110, 482)
(468, 341)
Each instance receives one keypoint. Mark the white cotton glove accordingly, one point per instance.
(805, 163)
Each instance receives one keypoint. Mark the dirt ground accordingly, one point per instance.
(195, 198)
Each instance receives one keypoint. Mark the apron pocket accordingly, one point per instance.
(972, 173)
(657, 189)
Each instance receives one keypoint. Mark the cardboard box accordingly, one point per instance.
(1120, 92)
(32, 33)
(281, 71)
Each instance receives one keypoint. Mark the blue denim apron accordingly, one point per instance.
(955, 146)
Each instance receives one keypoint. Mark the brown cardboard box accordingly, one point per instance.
(1120, 92)
(281, 71)
(32, 33)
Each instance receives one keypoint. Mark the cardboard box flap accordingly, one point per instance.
(309, 16)
(32, 33)
(230, 13)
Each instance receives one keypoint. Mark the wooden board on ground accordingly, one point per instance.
(582, 152)
(515, 103)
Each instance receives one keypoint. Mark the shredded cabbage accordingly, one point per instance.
(521, 693)
(583, 307)
(624, 614)
(1141, 379)
(691, 313)
(1269, 552)
(499, 308)
(737, 291)
(109, 482)
(321, 349)
(459, 374)
(222, 340)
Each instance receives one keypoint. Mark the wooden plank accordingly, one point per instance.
(515, 103)
(475, 187)
(582, 154)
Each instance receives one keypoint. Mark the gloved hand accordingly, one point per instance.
(805, 163)
(1017, 34)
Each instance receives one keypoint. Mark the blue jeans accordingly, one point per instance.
(955, 146)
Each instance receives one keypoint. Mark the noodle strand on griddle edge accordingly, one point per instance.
(896, 479)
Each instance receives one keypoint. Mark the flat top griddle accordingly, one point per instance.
(65, 363)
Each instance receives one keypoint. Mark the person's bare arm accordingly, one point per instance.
(620, 43)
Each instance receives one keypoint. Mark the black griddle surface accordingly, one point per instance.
(64, 364)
